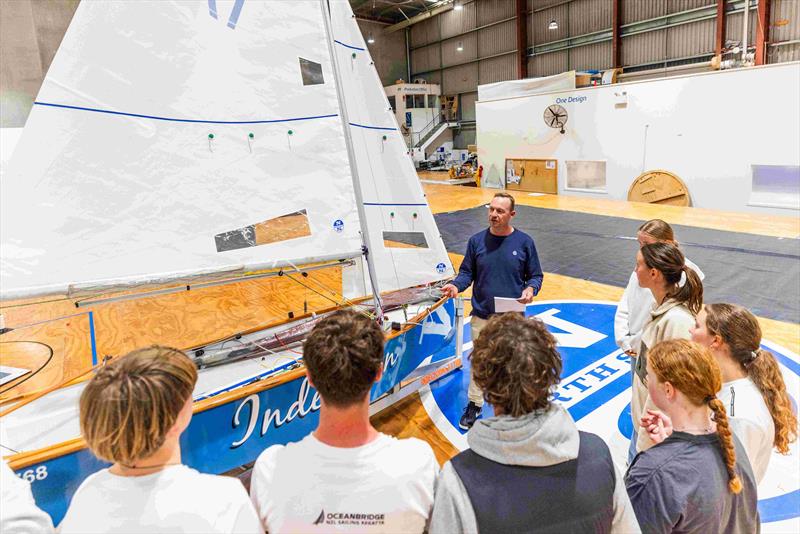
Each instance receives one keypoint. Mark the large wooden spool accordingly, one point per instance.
(659, 187)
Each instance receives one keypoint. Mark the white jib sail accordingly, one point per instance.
(171, 139)
(402, 236)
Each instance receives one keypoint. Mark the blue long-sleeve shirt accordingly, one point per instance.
(498, 266)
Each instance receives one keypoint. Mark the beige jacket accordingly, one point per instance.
(670, 320)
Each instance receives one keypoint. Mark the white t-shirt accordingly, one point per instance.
(386, 485)
(751, 421)
(18, 511)
(176, 499)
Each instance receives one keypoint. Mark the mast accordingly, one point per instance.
(362, 215)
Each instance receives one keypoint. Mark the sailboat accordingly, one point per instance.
(216, 176)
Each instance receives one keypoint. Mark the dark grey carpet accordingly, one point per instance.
(761, 273)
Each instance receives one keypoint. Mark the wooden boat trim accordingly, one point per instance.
(25, 459)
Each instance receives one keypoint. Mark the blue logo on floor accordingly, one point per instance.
(596, 378)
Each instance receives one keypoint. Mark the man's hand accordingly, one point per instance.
(657, 425)
(527, 296)
(450, 291)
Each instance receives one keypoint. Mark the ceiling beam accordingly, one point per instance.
(419, 18)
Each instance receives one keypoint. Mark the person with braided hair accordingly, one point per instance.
(697, 477)
(753, 390)
(678, 293)
(633, 309)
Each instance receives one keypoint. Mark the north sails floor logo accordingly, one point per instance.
(349, 518)
(595, 389)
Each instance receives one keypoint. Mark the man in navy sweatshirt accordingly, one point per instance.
(501, 262)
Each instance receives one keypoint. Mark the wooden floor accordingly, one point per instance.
(409, 419)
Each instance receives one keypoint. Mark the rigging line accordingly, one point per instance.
(49, 358)
(344, 300)
(173, 119)
(327, 297)
(21, 304)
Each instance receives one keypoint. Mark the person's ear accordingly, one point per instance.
(183, 419)
(308, 377)
(513, 212)
(669, 391)
(379, 375)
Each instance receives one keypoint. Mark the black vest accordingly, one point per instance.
(573, 496)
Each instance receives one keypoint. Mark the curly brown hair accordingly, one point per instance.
(129, 406)
(516, 364)
(693, 370)
(739, 329)
(344, 354)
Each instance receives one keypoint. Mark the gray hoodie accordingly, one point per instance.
(540, 438)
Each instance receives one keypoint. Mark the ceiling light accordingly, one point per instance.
(553, 25)
(458, 6)
(370, 39)
(460, 46)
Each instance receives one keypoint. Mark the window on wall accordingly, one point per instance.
(432, 101)
(409, 101)
(419, 101)
(776, 186)
(393, 103)
(586, 176)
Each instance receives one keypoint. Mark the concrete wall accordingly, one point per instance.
(709, 129)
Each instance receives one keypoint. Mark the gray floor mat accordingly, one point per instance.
(759, 272)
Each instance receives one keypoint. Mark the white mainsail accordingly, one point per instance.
(165, 136)
(394, 202)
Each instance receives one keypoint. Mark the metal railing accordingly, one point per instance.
(417, 138)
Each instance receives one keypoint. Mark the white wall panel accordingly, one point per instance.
(684, 127)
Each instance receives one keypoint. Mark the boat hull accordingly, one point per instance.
(233, 429)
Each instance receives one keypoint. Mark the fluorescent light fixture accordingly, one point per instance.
(370, 38)
(457, 6)
(553, 25)
(460, 46)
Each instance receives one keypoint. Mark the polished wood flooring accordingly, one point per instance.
(409, 419)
